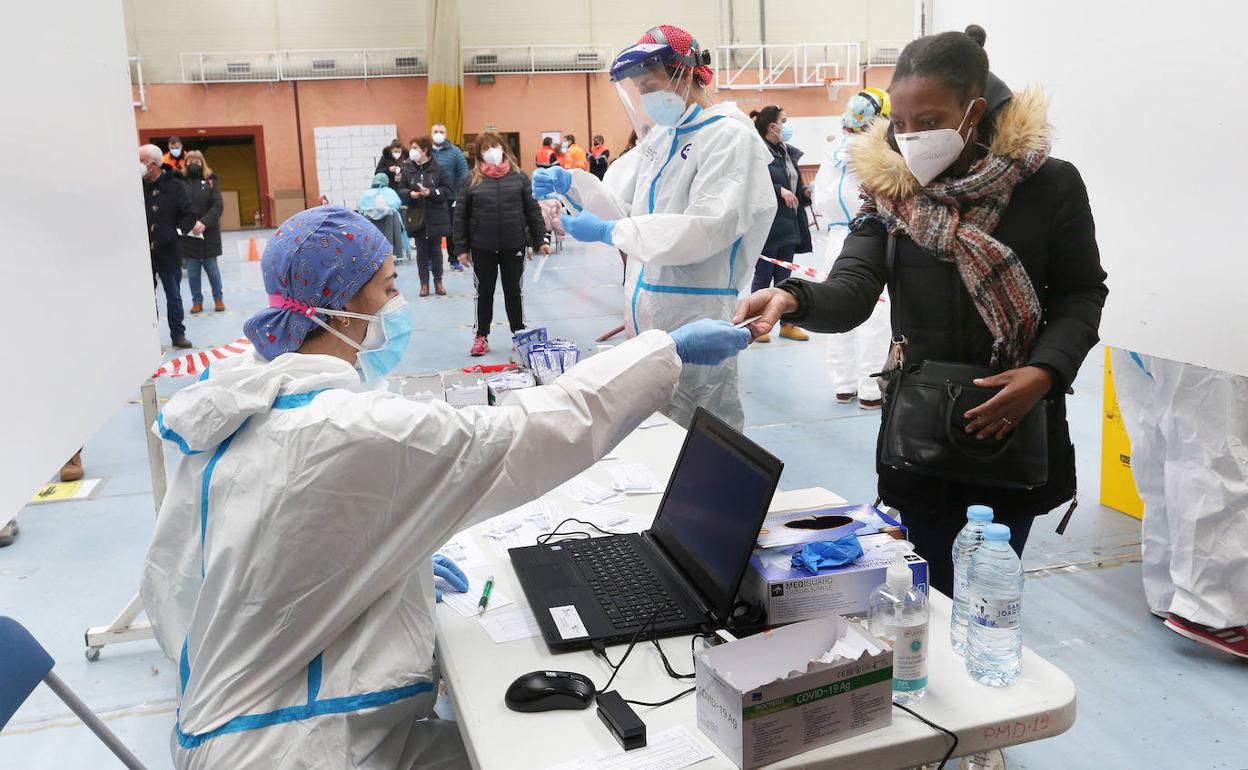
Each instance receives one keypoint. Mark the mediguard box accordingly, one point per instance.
(790, 595)
(779, 693)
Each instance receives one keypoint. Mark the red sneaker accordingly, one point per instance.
(1233, 641)
(480, 346)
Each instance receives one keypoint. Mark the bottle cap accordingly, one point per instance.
(979, 513)
(899, 577)
(997, 532)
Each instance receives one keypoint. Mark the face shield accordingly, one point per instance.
(654, 84)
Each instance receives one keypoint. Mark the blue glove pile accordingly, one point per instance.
(708, 342)
(450, 574)
(827, 554)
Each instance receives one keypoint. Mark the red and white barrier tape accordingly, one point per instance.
(799, 270)
(193, 364)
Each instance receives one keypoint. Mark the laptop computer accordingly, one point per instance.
(684, 571)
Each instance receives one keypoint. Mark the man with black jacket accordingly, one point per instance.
(168, 209)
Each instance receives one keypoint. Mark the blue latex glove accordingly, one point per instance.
(450, 573)
(548, 181)
(707, 342)
(588, 227)
(827, 554)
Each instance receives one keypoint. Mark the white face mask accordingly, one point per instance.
(565, 146)
(439, 137)
(415, 154)
(929, 153)
(493, 156)
(142, 168)
(396, 154)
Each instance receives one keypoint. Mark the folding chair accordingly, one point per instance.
(23, 664)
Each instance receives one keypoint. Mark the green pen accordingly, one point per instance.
(485, 595)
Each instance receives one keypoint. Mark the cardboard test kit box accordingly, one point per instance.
(790, 595)
(779, 693)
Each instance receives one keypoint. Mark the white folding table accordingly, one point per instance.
(1041, 704)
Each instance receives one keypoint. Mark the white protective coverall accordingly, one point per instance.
(1189, 455)
(854, 355)
(289, 574)
(694, 204)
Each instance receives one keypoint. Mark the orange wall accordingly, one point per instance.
(526, 104)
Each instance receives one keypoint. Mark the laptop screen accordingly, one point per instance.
(715, 503)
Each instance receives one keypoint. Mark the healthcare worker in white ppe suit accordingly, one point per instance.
(289, 575)
(690, 205)
(852, 356)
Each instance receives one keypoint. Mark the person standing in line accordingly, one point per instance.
(175, 159)
(496, 219)
(168, 209)
(452, 159)
(856, 355)
(201, 246)
(573, 155)
(599, 157)
(546, 156)
(790, 231)
(391, 161)
(424, 184)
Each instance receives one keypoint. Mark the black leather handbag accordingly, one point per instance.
(925, 430)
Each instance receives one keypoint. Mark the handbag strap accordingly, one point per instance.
(954, 390)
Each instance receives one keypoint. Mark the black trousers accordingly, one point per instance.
(486, 267)
(428, 256)
(767, 274)
(933, 538)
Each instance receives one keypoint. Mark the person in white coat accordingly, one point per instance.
(1188, 427)
(289, 573)
(853, 356)
(690, 205)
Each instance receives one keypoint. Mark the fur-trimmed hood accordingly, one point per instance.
(1022, 126)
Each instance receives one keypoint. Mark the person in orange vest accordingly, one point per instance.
(599, 157)
(574, 155)
(546, 156)
(175, 159)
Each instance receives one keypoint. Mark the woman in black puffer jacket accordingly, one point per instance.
(425, 188)
(496, 219)
(200, 253)
(995, 264)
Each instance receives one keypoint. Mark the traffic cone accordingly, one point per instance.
(253, 254)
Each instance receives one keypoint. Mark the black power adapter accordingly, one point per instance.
(621, 720)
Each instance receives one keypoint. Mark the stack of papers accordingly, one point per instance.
(510, 624)
(670, 749)
(634, 479)
(589, 492)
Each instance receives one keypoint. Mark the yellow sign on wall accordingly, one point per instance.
(1118, 489)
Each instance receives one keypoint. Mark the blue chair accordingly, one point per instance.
(23, 665)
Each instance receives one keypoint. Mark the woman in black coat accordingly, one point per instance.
(202, 245)
(496, 218)
(790, 230)
(425, 189)
(1017, 286)
(391, 161)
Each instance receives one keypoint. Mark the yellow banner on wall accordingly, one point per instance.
(444, 102)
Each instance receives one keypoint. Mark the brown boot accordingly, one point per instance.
(72, 470)
(424, 290)
(197, 308)
(220, 305)
(437, 286)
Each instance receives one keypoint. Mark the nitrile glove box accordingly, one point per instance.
(789, 595)
(772, 695)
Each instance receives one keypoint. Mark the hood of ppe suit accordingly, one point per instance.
(1022, 126)
(203, 415)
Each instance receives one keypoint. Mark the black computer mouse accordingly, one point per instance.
(550, 690)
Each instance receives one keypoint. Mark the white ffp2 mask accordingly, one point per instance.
(929, 153)
(493, 156)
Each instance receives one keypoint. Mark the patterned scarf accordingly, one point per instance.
(953, 220)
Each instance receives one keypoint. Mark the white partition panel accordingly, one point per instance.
(1147, 102)
(79, 321)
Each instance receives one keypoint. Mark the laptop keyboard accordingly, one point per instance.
(626, 588)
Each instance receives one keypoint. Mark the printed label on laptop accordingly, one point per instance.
(568, 620)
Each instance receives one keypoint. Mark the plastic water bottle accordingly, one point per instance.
(898, 612)
(994, 635)
(968, 540)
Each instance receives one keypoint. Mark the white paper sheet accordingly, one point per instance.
(526, 534)
(634, 479)
(544, 514)
(589, 492)
(466, 603)
(464, 551)
(670, 749)
(510, 624)
(655, 420)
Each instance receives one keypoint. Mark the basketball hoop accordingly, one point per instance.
(833, 88)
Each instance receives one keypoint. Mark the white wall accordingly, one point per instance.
(79, 319)
(1148, 104)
